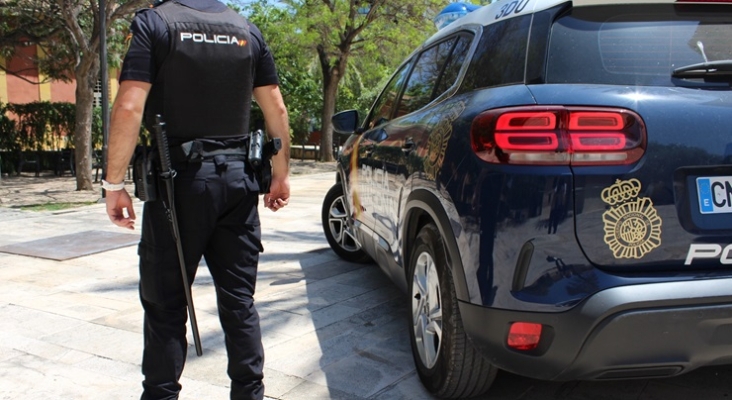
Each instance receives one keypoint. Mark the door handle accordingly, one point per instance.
(408, 146)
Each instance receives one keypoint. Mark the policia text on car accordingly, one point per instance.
(203, 85)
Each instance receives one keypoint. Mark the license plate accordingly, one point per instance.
(715, 194)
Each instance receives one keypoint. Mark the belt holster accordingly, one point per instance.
(253, 149)
(145, 173)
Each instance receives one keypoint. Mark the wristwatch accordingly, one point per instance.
(112, 187)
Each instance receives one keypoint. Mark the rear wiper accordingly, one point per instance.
(704, 69)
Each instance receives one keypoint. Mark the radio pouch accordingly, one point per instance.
(145, 173)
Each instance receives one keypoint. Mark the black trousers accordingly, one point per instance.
(216, 203)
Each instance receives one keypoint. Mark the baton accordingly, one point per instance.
(167, 174)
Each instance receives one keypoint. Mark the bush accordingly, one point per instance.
(39, 127)
(36, 126)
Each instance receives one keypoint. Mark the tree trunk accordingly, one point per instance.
(86, 74)
(330, 91)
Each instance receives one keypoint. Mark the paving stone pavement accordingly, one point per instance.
(71, 329)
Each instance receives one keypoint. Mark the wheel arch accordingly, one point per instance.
(423, 207)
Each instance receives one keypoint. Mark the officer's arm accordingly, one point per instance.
(124, 127)
(273, 107)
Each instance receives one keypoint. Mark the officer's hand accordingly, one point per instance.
(279, 194)
(117, 202)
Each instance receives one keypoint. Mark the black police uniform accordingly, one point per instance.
(202, 60)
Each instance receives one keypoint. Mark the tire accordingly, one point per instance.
(337, 227)
(448, 364)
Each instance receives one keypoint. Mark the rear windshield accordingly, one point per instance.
(636, 45)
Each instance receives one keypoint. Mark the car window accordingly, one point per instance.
(382, 110)
(636, 45)
(454, 64)
(421, 83)
(500, 57)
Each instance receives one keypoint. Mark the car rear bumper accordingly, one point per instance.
(638, 331)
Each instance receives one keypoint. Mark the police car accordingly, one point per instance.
(550, 182)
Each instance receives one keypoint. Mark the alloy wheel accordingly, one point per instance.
(427, 310)
(338, 225)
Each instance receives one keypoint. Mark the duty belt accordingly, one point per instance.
(199, 151)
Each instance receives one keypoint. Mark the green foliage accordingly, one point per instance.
(7, 130)
(97, 130)
(303, 99)
(36, 126)
(361, 85)
(299, 86)
(352, 45)
(67, 34)
(28, 22)
(64, 33)
(310, 40)
(46, 126)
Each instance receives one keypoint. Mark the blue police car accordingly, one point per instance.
(550, 182)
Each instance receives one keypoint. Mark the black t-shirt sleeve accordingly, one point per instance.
(265, 72)
(149, 37)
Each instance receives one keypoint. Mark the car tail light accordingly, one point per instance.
(527, 131)
(557, 135)
(524, 336)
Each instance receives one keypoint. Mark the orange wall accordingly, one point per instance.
(20, 91)
(3, 82)
(62, 91)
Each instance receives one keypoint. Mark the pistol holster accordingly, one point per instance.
(145, 173)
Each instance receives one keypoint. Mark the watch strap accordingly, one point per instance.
(112, 187)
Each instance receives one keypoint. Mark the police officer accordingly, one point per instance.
(197, 64)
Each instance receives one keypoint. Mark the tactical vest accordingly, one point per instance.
(204, 87)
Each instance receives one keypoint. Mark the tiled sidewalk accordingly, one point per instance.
(71, 330)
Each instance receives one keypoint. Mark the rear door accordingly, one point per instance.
(367, 184)
(435, 72)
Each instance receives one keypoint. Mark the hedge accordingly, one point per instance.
(40, 127)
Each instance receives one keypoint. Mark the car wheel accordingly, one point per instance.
(337, 227)
(447, 363)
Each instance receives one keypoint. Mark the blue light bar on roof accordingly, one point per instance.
(453, 12)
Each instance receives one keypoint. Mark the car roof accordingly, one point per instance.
(491, 13)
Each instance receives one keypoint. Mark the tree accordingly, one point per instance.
(343, 34)
(298, 84)
(68, 35)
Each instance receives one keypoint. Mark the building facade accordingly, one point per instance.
(23, 86)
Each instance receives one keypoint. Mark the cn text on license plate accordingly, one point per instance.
(715, 194)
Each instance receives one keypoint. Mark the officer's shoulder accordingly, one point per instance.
(141, 11)
(149, 17)
(153, 6)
